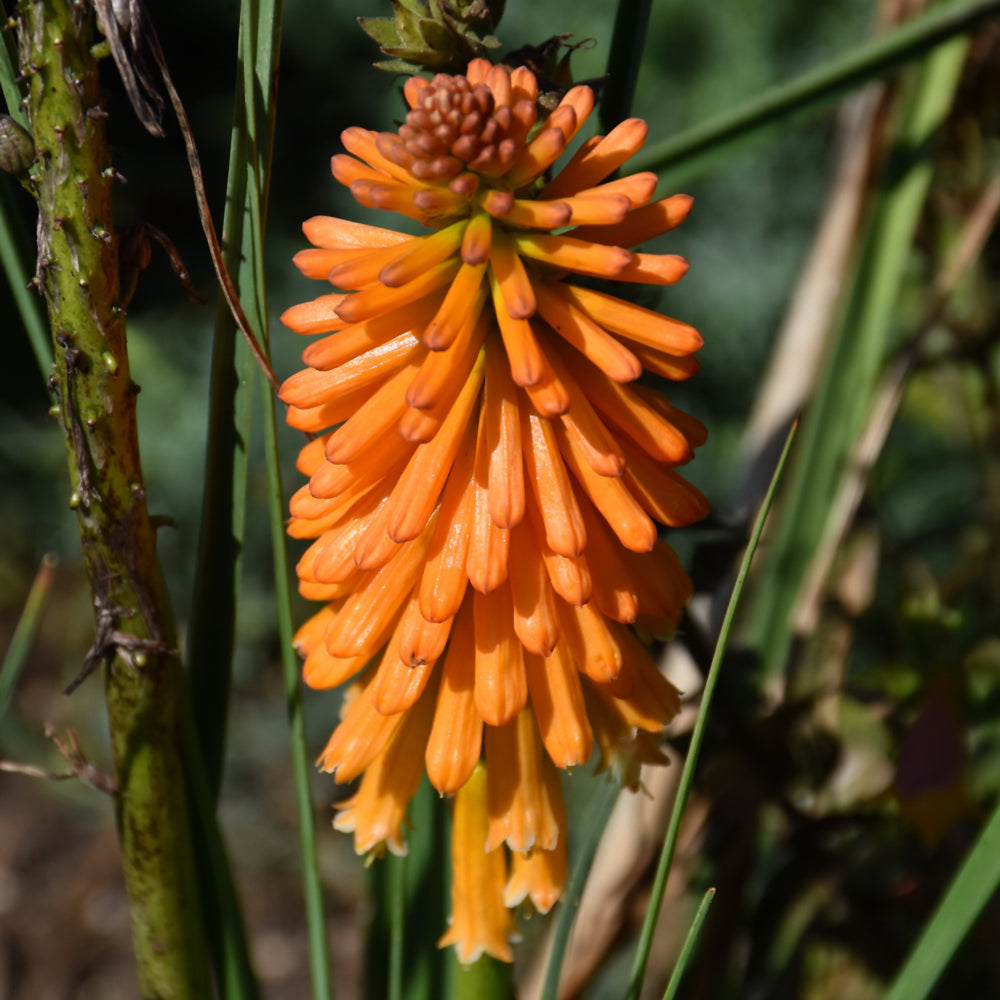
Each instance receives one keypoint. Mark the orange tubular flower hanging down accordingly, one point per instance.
(484, 518)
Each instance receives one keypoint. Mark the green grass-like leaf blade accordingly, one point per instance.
(970, 890)
(817, 88)
(698, 734)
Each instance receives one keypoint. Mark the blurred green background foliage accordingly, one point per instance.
(835, 802)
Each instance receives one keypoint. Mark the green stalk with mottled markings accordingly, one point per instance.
(80, 278)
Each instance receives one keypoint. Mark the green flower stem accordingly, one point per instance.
(871, 61)
(970, 890)
(690, 943)
(79, 275)
(698, 735)
(485, 979)
(624, 59)
(26, 630)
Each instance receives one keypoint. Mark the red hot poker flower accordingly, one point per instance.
(485, 513)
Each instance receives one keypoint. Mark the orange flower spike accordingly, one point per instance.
(632, 414)
(623, 749)
(443, 373)
(358, 338)
(665, 494)
(538, 876)
(362, 270)
(456, 736)
(333, 553)
(501, 690)
(599, 449)
(557, 700)
(525, 802)
(567, 253)
(429, 251)
(477, 240)
(568, 575)
(668, 366)
(310, 634)
(480, 922)
(383, 459)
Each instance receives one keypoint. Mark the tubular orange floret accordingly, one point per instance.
(456, 735)
(525, 805)
(557, 700)
(489, 545)
(505, 481)
(341, 234)
(317, 316)
(598, 158)
(535, 617)
(501, 690)
(551, 486)
(479, 922)
(643, 223)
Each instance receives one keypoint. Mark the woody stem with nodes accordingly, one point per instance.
(79, 271)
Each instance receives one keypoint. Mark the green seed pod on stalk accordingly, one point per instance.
(17, 149)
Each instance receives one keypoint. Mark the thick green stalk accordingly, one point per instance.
(624, 59)
(79, 271)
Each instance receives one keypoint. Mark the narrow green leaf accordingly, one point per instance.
(26, 629)
(223, 913)
(819, 87)
(215, 591)
(624, 59)
(8, 79)
(690, 943)
(12, 258)
(698, 734)
(410, 894)
(971, 889)
(864, 335)
(586, 838)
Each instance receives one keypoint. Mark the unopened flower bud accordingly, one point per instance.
(17, 149)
